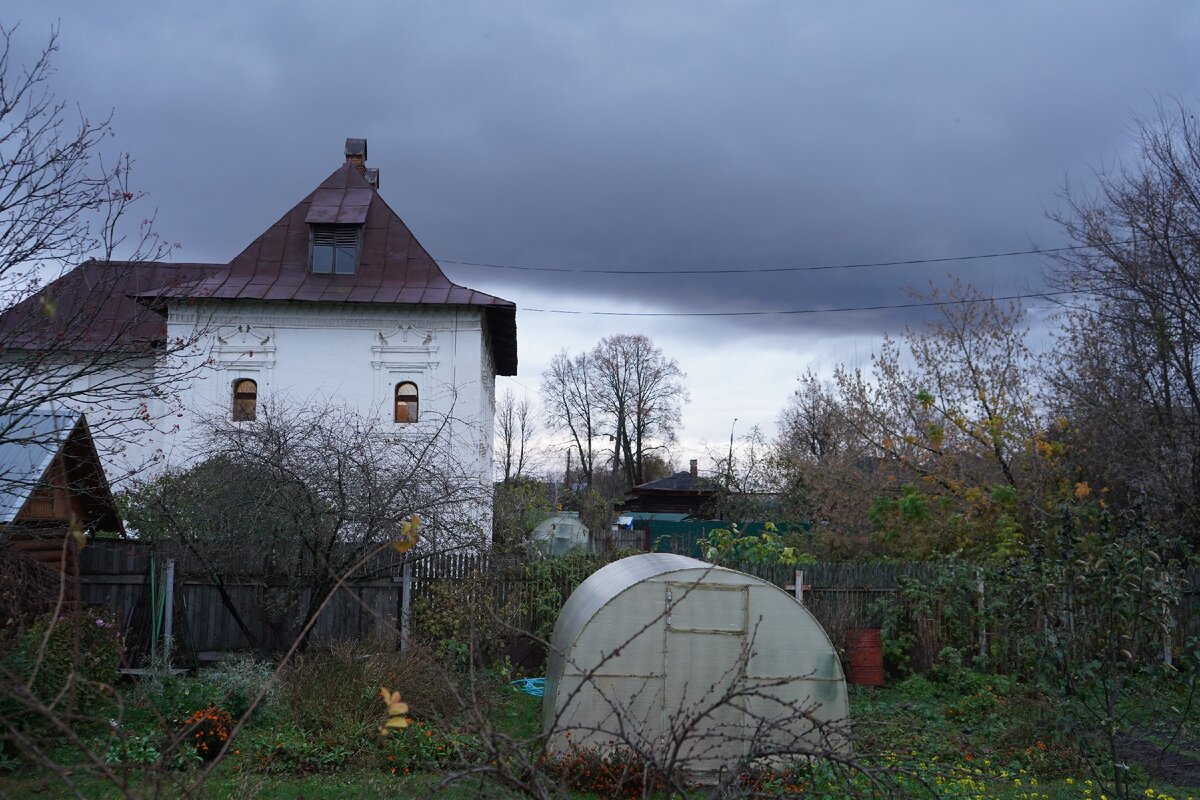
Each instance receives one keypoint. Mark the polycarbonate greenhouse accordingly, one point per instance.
(663, 653)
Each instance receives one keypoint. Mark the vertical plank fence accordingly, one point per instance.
(116, 574)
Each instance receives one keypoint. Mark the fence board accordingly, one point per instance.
(114, 573)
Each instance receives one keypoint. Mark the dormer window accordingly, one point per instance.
(335, 249)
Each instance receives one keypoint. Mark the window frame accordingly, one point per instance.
(335, 238)
(412, 403)
(239, 413)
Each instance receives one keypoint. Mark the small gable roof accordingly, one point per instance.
(29, 443)
(679, 482)
(681, 493)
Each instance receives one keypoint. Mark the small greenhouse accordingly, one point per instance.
(660, 651)
(561, 534)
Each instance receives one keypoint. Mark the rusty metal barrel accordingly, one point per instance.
(864, 648)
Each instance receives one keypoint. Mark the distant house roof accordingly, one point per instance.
(50, 472)
(681, 493)
(393, 269)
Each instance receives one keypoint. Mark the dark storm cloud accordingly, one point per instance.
(640, 135)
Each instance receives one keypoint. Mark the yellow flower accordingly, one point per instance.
(396, 709)
(410, 534)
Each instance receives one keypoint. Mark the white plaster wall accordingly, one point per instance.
(129, 413)
(312, 355)
(303, 355)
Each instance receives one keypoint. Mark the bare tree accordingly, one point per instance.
(74, 334)
(515, 426)
(1127, 371)
(570, 398)
(304, 495)
(642, 394)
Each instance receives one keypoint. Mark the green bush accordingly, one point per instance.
(70, 662)
(424, 747)
(288, 749)
(235, 683)
(464, 623)
(232, 684)
(136, 748)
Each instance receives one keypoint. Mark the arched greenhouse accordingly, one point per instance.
(663, 653)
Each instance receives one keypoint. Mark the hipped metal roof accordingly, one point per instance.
(393, 269)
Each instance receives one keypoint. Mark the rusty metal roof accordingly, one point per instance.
(393, 269)
(92, 307)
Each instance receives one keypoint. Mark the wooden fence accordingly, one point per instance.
(373, 605)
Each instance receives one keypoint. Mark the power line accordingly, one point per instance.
(926, 304)
(817, 268)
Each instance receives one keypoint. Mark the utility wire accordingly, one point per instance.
(768, 313)
(817, 268)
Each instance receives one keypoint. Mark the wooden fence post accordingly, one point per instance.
(168, 611)
(980, 605)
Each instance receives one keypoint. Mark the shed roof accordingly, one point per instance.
(93, 307)
(29, 443)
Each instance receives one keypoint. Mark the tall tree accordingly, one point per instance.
(943, 432)
(642, 396)
(307, 495)
(570, 398)
(1127, 371)
(83, 341)
(515, 427)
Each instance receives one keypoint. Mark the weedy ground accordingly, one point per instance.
(963, 735)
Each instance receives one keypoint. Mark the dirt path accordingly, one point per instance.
(1173, 768)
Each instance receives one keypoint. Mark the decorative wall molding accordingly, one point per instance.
(388, 319)
(242, 346)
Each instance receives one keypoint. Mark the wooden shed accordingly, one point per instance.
(52, 484)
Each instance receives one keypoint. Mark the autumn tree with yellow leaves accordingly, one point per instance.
(937, 447)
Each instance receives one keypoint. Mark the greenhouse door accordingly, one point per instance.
(704, 662)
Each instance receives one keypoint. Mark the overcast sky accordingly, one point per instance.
(642, 136)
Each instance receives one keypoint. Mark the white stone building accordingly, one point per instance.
(336, 303)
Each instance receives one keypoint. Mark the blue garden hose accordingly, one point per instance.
(534, 687)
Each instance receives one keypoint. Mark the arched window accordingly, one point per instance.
(245, 400)
(406, 402)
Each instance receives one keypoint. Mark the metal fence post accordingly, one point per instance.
(405, 601)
